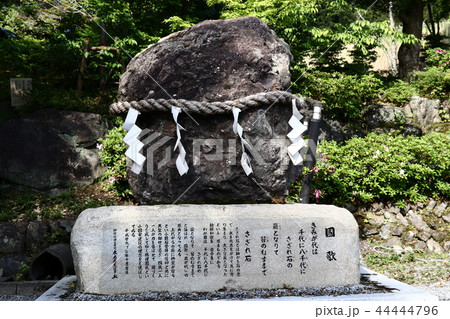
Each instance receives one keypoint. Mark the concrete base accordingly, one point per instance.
(61, 288)
(400, 291)
(25, 288)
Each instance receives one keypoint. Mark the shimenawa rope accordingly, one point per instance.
(259, 99)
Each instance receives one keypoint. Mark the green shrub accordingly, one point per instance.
(344, 96)
(23, 272)
(112, 156)
(432, 83)
(25, 204)
(381, 167)
(437, 57)
(399, 92)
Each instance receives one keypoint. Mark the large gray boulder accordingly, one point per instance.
(385, 118)
(51, 149)
(379, 115)
(215, 60)
(425, 112)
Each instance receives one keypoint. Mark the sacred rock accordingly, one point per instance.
(215, 60)
(218, 60)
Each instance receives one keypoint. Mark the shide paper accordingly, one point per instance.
(237, 129)
(295, 135)
(131, 139)
(181, 163)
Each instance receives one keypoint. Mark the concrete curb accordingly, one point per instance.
(56, 292)
(25, 288)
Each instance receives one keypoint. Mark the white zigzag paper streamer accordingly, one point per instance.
(237, 129)
(131, 139)
(181, 163)
(295, 135)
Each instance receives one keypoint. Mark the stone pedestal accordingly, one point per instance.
(201, 248)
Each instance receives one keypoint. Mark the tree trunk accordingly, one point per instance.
(87, 44)
(103, 77)
(430, 16)
(392, 56)
(408, 55)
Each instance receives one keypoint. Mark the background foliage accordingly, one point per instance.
(345, 96)
(333, 44)
(334, 40)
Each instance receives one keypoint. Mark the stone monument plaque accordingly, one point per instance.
(19, 88)
(186, 248)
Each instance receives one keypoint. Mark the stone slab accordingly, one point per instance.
(186, 248)
(8, 288)
(34, 287)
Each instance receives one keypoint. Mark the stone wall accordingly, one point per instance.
(419, 116)
(424, 227)
(20, 241)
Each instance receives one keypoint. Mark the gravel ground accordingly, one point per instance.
(229, 295)
(442, 290)
(17, 298)
(365, 287)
